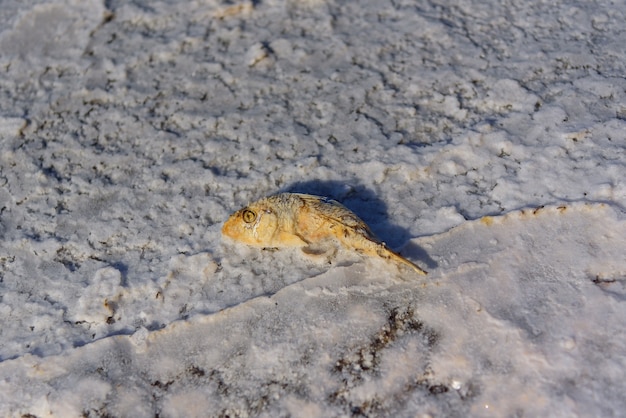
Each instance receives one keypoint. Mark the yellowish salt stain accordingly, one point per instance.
(302, 220)
(234, 10)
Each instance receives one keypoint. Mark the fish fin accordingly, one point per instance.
(392, 255)
(319, 250)
(289, 239)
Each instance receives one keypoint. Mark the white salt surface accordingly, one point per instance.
(484, 140)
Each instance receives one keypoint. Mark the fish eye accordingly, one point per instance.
(248, 216)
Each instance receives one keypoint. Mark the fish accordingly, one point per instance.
(303, 220)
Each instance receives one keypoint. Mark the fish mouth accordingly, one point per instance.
(228, 229)
(235, 230)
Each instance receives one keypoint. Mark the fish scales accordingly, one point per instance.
(294, 219)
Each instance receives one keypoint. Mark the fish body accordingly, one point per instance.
(294, 219)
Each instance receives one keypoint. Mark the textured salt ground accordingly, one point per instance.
(129, 131)
(522, 314)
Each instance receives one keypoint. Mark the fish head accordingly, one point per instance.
(253, 225)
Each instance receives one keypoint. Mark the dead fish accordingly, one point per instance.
(303, 220)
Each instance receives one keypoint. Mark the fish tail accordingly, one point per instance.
(397, 257)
